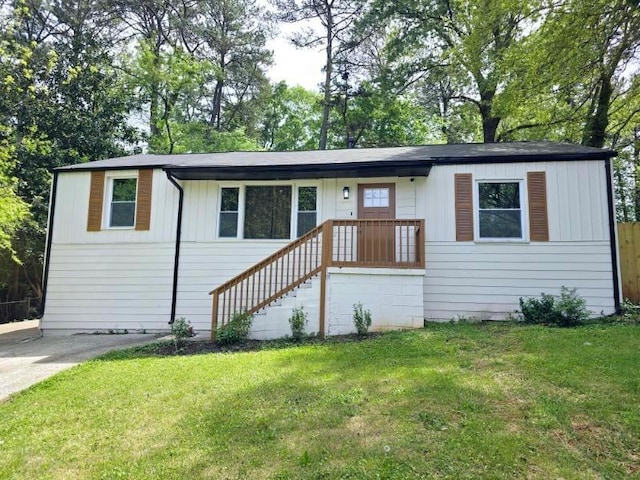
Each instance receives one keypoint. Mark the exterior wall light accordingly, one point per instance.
(345, 193)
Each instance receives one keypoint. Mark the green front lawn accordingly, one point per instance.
(452, 401)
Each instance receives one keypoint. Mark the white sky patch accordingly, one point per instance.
(296, 66)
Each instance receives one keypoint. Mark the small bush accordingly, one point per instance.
(236, 331)
(298, 322)
(538, 310)
(361, 319)
(181, 329)
(567, 310)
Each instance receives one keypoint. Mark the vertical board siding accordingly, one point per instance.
(72, 205)
(143, 200)
(538, 217)
(576, 197)
(96, 199)
(629, 247)
(464, 207)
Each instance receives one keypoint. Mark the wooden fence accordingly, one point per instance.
(629, 248)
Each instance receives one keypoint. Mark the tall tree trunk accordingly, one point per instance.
(595, 130)
(154, 101)
(489, 122)
(636, 173)
(217, 105)
(324, 127)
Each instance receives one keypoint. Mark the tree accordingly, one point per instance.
(13, 210)
(291, 119)
(477, 46)
(337, 17)
(63, 103)
(593, 45)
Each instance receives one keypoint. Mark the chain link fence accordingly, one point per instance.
(19, 310)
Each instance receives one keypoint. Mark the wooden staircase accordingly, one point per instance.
(340, 243)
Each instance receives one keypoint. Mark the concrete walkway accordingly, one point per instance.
(27, 358)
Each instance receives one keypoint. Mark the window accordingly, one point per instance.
(263, 212)
(267, 212)
(376, 197)
(307, 211)
(122, 208)
(228, 224)
(499, 210)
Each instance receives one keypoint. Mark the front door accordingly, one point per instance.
(376, 238)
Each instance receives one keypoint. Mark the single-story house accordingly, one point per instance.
(415, 234)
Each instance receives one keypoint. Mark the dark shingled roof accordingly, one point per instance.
(358, 162)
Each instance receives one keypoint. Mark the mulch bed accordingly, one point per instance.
(196, 346)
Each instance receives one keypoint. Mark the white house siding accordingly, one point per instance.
(207, 262)
(99, 287)
(486, 279)
(122, 278)
(111, 279)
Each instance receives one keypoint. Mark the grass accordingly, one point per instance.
(448, 401)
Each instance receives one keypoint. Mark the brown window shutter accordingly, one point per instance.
(464, 207)
(538, 218)
(96, 194)
(143, 200)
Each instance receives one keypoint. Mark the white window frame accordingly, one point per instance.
(523, 211)
(241, 207)
(108, 198)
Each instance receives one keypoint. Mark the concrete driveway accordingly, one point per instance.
(27, 358)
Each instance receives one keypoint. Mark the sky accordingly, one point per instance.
(295, 66)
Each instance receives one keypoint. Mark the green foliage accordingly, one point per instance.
(298, 323)
(361, 319)
(236, 331)
(566, 310)
(291, 120)
(181, 329)
(630, 311)
(13, 210)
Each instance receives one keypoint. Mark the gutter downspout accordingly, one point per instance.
(47, 254)
(612, 235)
(176, 260)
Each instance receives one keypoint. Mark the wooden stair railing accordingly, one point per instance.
(268, 280)
(375, 243)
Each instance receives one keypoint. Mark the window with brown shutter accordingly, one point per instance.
(128, 200)
(538, 215)
(96, 194)
(464, 207)
(143, 207)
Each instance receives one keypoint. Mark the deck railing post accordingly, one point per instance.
(420, 245)
(327, 258)
(214, 316)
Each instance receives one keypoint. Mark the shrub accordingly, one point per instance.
(542, 310)
(572, 308)
(236, 331)
(361, 319)
(569, 309)
(181, 329)
(298, 322)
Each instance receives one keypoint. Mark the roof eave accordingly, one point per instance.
(295, 172)
(520, 158)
